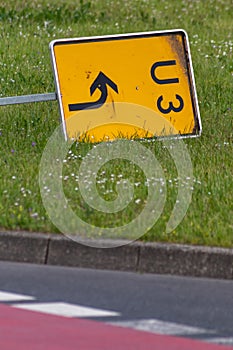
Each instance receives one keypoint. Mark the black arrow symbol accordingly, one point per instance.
(100, 83)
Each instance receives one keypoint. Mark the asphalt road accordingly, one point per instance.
(181, 306)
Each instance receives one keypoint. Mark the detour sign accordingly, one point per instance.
(132, 84)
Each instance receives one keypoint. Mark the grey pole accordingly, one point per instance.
(4, 101)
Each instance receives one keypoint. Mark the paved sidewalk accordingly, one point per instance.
(160, 258)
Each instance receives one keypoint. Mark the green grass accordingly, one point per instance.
(27, 27)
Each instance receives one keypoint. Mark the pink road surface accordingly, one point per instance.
(28, 330)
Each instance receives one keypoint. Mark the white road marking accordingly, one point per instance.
(162, 327)
(65, 309)
(6, 296)
(220, 340)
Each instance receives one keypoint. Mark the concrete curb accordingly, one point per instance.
(160, 258)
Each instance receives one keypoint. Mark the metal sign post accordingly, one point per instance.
(4, 101)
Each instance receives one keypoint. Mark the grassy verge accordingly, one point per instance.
(27, 27)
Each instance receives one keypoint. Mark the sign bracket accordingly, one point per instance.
(12, 100)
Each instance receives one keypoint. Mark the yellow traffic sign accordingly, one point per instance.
(131, 84)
